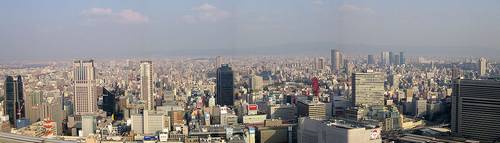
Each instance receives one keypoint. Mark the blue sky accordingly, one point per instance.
(52, 29)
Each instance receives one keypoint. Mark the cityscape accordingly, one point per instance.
(328, 92)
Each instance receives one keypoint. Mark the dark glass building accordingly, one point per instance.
(108, 102)
(14, 101)
(225, 86)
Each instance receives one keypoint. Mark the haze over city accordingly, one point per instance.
(58, 29)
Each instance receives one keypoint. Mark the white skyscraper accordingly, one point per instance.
(385, 58)
(147, 84)
(482, 66)
(85, 97)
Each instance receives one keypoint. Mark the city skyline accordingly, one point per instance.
(96, 29)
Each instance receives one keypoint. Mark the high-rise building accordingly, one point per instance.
(319, 63)
(32, 103)
(225, 86)
(14, 99)
(256, 83)
(391, 58)
(482, 66)
(368, 89)
(371, 60)
(396, 60)
(475, 109)
(108, 102)
(85, 97)
(402, 59)
(218, 61)
(89, 125)
(384, 58)
(147, 84)
(336, 59)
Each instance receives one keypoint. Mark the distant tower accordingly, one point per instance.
(218, 61)
(225, 86)
(384, 58)
(396, 60)
(319, 63)
(391, 58)
(482, 66)
(402, 59)
(14, 99)
(85, 96)
(336, 59)
(371, 60)
(147, 84)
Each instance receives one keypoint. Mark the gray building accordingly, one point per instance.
(336, 60)
(368, 89)
(313, 131)
(475, 109)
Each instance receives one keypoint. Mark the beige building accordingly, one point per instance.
(85, 97)
(147, 84)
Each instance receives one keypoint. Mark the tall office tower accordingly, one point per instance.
(108, 102)
(371, 60)
(218, 61)
(225, 86)
(402, 59)
(14, 99)
(482, 66)
(384, 58)
(85, 96)
(391, 58)
(475, 109)
(256, 83)
(33, 100)
(336, 59)
(368, 89)
(147, 84)
(396, 60)
(319, 63)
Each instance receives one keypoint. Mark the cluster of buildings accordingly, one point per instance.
(255, 99)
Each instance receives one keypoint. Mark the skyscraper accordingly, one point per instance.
(391, 58)
(256, 83)
(368, 89)
(370, 60)
(85, 96)
(14, 99)
(225, 86)
(218, 61)
(396, 60)
(482, 66)
(402, 59)
(336, 59)
(147, 84)
(475, 109)
(384, 58)
(319, 63)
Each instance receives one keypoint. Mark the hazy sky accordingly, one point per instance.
(52, 29)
